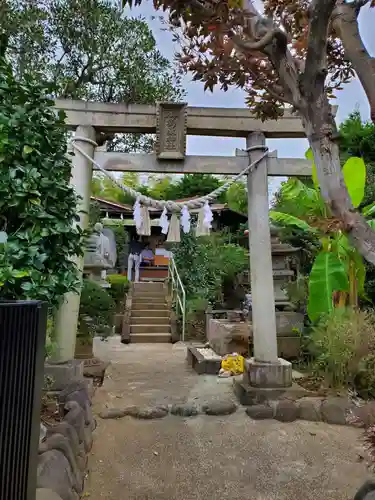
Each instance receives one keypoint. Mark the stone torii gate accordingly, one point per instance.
(172, 122)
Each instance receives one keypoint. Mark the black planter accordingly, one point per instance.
(23, 327)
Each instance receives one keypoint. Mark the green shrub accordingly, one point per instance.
(119, 287)
(38, 207)
(96, 311)
(205, 264)
(342, 346)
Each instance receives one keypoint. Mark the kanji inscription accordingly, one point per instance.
(171, 131)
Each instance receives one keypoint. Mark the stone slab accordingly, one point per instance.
(201, 364)
(63, 374)
(248, 395)
(268, 375)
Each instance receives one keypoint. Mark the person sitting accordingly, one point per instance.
(147, 256)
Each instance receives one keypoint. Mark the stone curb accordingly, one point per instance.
(177, 409)
(63, 454)
(334, 410)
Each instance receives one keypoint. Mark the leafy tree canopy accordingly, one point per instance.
(101, 56)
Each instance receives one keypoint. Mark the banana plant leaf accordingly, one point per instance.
(354, 172)
(347, 253)
(368, 210)
(305, 200)
(289, 220)
(310, 156)
(327, 275)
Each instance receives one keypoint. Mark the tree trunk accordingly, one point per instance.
(321, 131)
(345, 23)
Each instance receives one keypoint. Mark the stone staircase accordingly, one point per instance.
(150, 313)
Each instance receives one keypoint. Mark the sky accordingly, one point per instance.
(348, 99)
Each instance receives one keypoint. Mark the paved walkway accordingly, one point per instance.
(207, 457)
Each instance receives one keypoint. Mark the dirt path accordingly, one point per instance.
(207, 457)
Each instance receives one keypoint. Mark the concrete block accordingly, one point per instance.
(268, 375)
(202, 365)
(63, 374)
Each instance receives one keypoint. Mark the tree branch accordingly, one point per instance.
(316, 57)
(280, 57)
(261, 44)
(345, 23)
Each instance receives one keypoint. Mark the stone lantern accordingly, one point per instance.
(96, 261)
(282, 254)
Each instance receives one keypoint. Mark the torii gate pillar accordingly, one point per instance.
(265, 369)
(66, 319)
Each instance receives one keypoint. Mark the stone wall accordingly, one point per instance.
(63, 453)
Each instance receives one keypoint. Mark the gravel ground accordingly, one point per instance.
(207, 457)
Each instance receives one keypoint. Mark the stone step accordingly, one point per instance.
(147, 295)
(150, 338)
(149, 328)
(146, 313)
(149, 318)
(148, 285)
(151, 300)
(149, 305)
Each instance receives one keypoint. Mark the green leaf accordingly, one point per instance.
(327, 275)
(354, 172)
(289, 220)
(371, 223)
(360, 272)
(27, 286)
(20, 274)
(27, 150)
(314, 175)
(368, 210)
